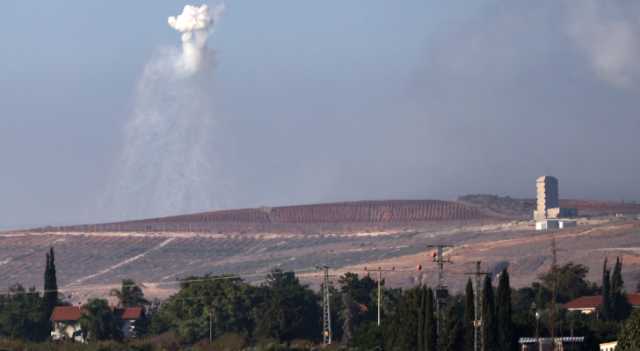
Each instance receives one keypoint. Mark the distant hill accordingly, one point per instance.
(92, 259)
(509, 206)
(341, 216)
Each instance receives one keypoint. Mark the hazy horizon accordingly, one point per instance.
(331, 101)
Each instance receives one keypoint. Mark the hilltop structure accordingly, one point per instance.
(548, 213)
(547, 199)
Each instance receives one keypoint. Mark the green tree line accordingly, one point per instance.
(287, 314)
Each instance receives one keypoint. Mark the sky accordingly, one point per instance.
(329, 101)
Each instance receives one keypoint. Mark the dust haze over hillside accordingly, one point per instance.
(525, 74)
(354, 106)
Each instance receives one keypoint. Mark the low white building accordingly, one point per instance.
(129, 317)
(550, 224)
(66, 324)
(608, 346)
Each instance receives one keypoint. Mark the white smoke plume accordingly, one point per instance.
(167, 162)
(196, 24)
(608, 32)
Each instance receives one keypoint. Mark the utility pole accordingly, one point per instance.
(477, 322)
(379, 270)
(554, 290)
(326, 307)
(441, 288)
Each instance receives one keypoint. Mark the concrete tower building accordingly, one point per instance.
(547, 196)
(548, 213)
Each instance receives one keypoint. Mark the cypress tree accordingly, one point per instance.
(489, 327)
(620, 307)
(430, 326)
(605, 308)
(469, 316)
(504, 312)
(453, 338)
(402, 332)
(422, 313)
(50, 294)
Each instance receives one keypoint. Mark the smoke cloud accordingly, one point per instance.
(167, 164)
(196, 24)
(608, 32)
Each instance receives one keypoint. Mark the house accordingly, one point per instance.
(608, 346)
(66, 323)
(129, 316)
(590, 304)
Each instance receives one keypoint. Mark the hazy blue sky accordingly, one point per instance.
(331, 100)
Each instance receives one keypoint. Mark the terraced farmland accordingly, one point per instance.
(333, 217)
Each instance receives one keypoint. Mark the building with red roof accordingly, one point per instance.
(66, 322)
(590, 304)
(129, 317)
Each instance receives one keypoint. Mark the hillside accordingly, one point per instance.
(331, 217)
(91, 259)
(523, 208)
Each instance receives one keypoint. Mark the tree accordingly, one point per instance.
(506, 331)
(629, 336)
(469, 316)
(226, 301)
(422, 315)
(453, 332)
(292, 308)
(606, 308)
(430, 323)
(571, 282)
(50, 294)
(402, 331)
(369, 337)
(619, 304)
(362, 295)
(21, 315)
(360, 289)
(129, 295)
(489, 327)
(349, 312)
(99, 322)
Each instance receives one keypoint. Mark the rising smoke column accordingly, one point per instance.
(196, 24)
(166, 166)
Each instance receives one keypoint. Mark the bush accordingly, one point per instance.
(629, 336)
(226, 342)
(269, 345)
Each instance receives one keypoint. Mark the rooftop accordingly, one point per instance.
(131, 313)
(73, 313)
(587, 302)
(66, 313)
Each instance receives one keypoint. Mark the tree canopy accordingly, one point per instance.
(629, 337)
(129, 294)
(99, 321)
(571, 282)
